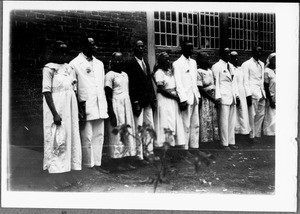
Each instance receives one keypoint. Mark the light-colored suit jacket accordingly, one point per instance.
(226, 86)
(254, 78)
(90, 86)
(185, 73)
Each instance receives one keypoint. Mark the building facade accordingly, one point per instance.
(32, 31)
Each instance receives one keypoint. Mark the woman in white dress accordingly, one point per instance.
(168, 119)
(120, 114)
(270, 88)
(62, 146)
(242, 118)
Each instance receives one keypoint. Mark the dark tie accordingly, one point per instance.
(228, 68)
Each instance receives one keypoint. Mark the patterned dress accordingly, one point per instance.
(59, 80)
(127, 146)
(207, 111)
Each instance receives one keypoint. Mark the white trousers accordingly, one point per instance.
(256, 117)
(190, 118)
(227, 124)
(92, 136)
(146, 117)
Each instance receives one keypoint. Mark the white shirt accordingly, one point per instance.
(226, 87)
(254, 78)
(185, 73)
(90, 87)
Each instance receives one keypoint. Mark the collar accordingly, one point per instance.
(256, 61)
(139, 60)
(183, 57)
(87, 58)
(223, 62)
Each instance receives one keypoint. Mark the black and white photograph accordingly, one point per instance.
(150, 105)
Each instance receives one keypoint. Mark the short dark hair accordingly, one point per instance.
(184, 42)
(222, 50)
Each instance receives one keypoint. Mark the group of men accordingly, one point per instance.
(93, 105)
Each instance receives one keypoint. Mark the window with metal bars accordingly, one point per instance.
(268, 32)
(248, 29)
(209, 30)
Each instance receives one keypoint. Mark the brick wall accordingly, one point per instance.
(32, 31)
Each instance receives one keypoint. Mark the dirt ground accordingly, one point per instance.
(250, 169)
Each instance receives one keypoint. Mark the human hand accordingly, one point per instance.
(249, 100)
(238, 102)
(81, 111)
(113, 119)
(272, 104)
(136, 108)
(183, 106)
(57, 120)
(217, 102)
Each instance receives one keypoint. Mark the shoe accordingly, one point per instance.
(121, 168)
(251, 141)
(130, 167)
(233, 147)
(99, 169)
(226, 148)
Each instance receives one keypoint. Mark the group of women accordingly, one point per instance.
(60, 81)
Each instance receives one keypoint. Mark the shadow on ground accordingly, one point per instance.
(250, 169)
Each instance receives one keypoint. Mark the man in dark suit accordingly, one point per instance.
(141, 90)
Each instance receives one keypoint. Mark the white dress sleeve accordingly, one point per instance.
(159, 77)
(47, 79)
(109, 79)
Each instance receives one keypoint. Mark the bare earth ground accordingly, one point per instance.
(247, 170)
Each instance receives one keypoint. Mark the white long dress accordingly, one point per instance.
(59, 80)
(168, 115)
(118, 147)
(242, 117)
(270, 114)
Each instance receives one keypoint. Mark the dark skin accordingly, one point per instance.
(203, 63)
(234, 61)
(225, 57)
(187, 51)
(272, 66)
(89, 48)
(256, 54)
(117, 64)
(58, 57)
(160, 88)
(139, 50)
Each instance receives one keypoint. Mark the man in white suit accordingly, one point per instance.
(185, 73)
(255, 93)
(226, 98)
(92, 103)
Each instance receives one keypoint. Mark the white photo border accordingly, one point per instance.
(287, 51)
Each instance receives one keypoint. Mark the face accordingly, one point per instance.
(226, 54)
(60, 55)
(139, 48)
(117, 62)
(273, 62)
(166, 62)
(258, 52)
(234, 59)
(187, 49)
(90, 47)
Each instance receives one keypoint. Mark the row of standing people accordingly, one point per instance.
(126, 95)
